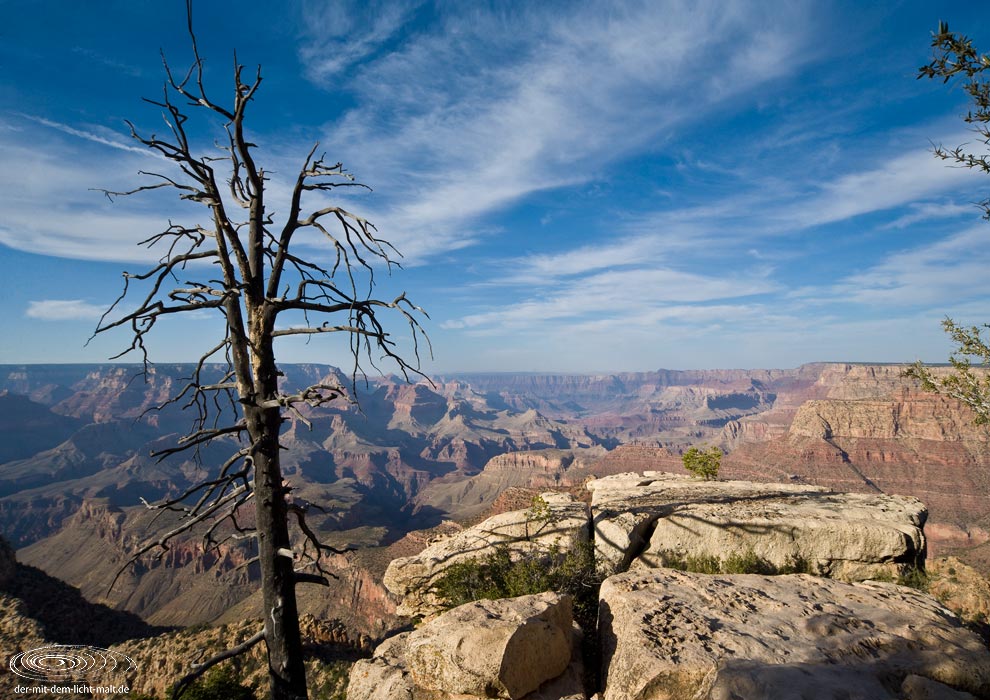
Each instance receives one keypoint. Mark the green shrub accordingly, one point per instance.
(220, 683)
(915, 577)
(499, 575)
(747, 562)
(704, 464)
(334, 683)
(912, 577)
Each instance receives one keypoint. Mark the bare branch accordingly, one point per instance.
(200, 668)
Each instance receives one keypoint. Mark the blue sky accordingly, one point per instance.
(575, 186)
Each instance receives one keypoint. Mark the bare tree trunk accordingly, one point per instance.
(278, 585)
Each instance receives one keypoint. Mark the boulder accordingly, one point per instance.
(384, 676)
(562, 524)
(648, 520)
(670, 634)
(526, 647)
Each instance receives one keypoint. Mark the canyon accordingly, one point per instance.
(408, 466)
(406, 457)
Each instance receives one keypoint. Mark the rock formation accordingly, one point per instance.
(563, 525)
(873, 431)
(505, 648)
(645, 520)
(665, 634)
(670, 634)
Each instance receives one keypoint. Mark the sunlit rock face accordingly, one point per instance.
(648, 520)
(525, 647)
(670, 634)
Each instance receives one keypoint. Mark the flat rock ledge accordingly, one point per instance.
(564, 525)
(667, 634)
(648, 520)
(526, 647)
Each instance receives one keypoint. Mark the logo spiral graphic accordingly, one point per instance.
(61, 662)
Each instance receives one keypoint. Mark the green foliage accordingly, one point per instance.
(964, 384)
(704, 464)
(539, 516)
(333, 685)
(747, 562)
(220, 683)
(953, 56)
(915, 578)
(500, 575)
(912, 577)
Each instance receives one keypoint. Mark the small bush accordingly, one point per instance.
(500, 576)
(703, 464)
(915, 578)
(220, 683)
(747, 562)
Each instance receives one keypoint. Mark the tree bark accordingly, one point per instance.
(285, 655)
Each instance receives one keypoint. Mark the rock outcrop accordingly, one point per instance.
(647, 520)
(487, 649)
(869, 429)
(563, 525)
(667, 634)
(960, 587)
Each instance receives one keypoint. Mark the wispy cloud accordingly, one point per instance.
(944, 274)
(339, 34)
(96, 135)
(897, 181)
(499, 105)
(928, 211)
(63, 310)
(51, 203)
(621, 294)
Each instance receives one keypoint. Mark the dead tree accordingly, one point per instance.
(242, 265)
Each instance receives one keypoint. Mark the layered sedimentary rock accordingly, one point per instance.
(505, 648)
(563, 525)
(667, 634)
(875, 431)
(647, 520)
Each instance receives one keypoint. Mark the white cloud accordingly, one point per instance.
(500, 105)
(63, 310)
(621, 293)
(100, 135)
(928, 211)
(895, 182)
(941, 275)
(340, 34)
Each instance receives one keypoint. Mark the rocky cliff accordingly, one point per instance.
(874, 431)
(663, 633)
(416, 454)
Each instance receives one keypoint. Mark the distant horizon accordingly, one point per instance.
(455, 373)
(573, 185)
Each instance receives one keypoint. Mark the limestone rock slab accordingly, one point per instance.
(517, 648)
(564, 525)
(847, 536)
(496, 648)
(670, 634)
